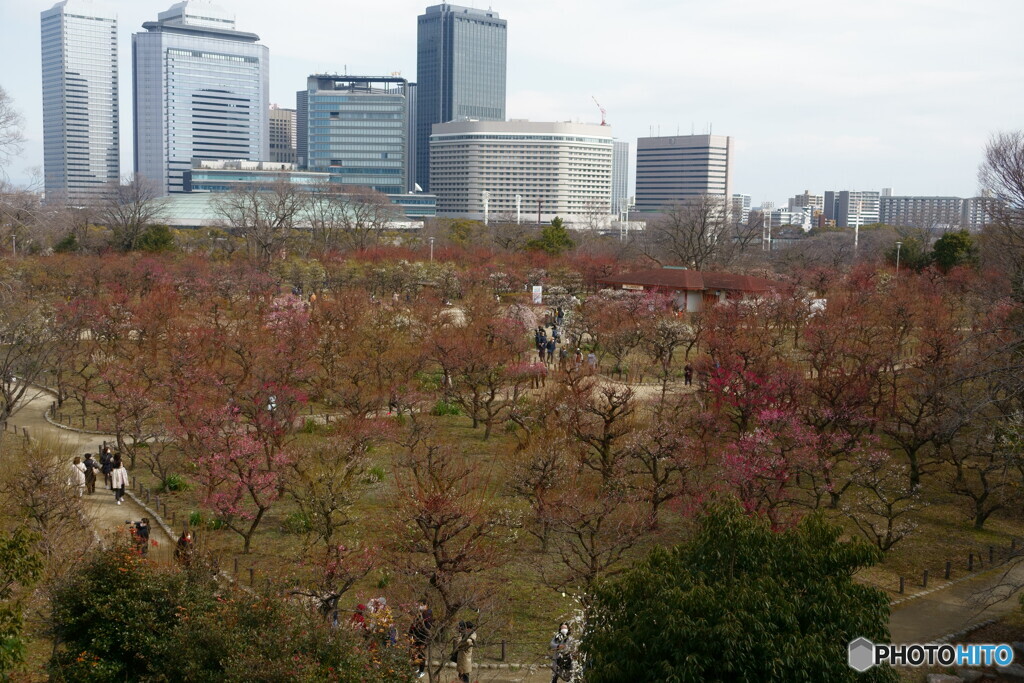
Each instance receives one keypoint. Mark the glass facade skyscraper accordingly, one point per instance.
(81, 146)
(460, 72)
(201, 91)
(356, 129)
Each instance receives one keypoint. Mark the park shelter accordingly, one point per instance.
(692, 290)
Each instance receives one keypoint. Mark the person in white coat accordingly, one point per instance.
(77, 476)
(119, 478)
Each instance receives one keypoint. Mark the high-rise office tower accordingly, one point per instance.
(282, 135)
(355, 129)
(523, 169)
(201, 91)
(673, 169)
(620, 176)
(81, 146)
(460, 72)
(410, 138)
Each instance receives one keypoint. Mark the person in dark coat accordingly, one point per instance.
(419, 634)
(91, 466)
(107, 466)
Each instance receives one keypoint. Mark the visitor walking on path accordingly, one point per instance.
(141, 535)
(551, 351)
(464, 653)
(183, 549)
(118, 478)
(419, 634)
(563, 646)
(107, 466)
(688, 375)
(76, 479)
(90, 473)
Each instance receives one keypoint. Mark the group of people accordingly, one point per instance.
(84, 473)
(551, 348)
(376, 622)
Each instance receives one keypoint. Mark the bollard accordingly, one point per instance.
(901, 584)
(252, 575)
(503, 650)
(924, 579)
(991, 554)
(970, 562)
(949, 568)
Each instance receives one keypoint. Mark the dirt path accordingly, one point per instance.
(107, 517)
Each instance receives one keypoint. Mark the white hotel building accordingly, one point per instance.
(555, 169)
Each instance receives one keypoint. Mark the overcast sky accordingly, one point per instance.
(817, 94)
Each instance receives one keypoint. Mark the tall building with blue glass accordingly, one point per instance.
(201, 91)
(81, 145)
(355, 128)
(460, 72)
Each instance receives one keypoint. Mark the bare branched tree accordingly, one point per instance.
(365, 215)
(1002, 174)
(11, 137)
(263, 214)
(128, 207)
(698, 233)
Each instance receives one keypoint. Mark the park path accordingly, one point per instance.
(107, 518)
(957, 606)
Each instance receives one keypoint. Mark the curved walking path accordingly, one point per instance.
(958, 605)
(107, 517)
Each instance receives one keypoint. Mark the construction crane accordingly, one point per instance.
(603, 112)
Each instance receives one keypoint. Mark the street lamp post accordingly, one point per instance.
(487, 207)
(431, 239)
(519, 209)
(898, 245)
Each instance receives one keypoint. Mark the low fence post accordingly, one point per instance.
(236, 567)
(970, 562)
(252, 575)
(924, 579)
(503, 650)
(949, 568)
(991, 554)
(902, 584)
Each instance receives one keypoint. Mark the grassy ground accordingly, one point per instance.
(531, 610)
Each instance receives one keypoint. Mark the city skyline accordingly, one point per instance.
(896, 95)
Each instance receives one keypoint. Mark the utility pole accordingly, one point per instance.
(898, 245)
(519, 209)
(538, 211)
(487, 207)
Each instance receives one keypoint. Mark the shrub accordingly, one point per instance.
(297, 523)
(375, 474)
(175, 482)
(781, 606)
(443, 407)
(122, 617)
(311, 426)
